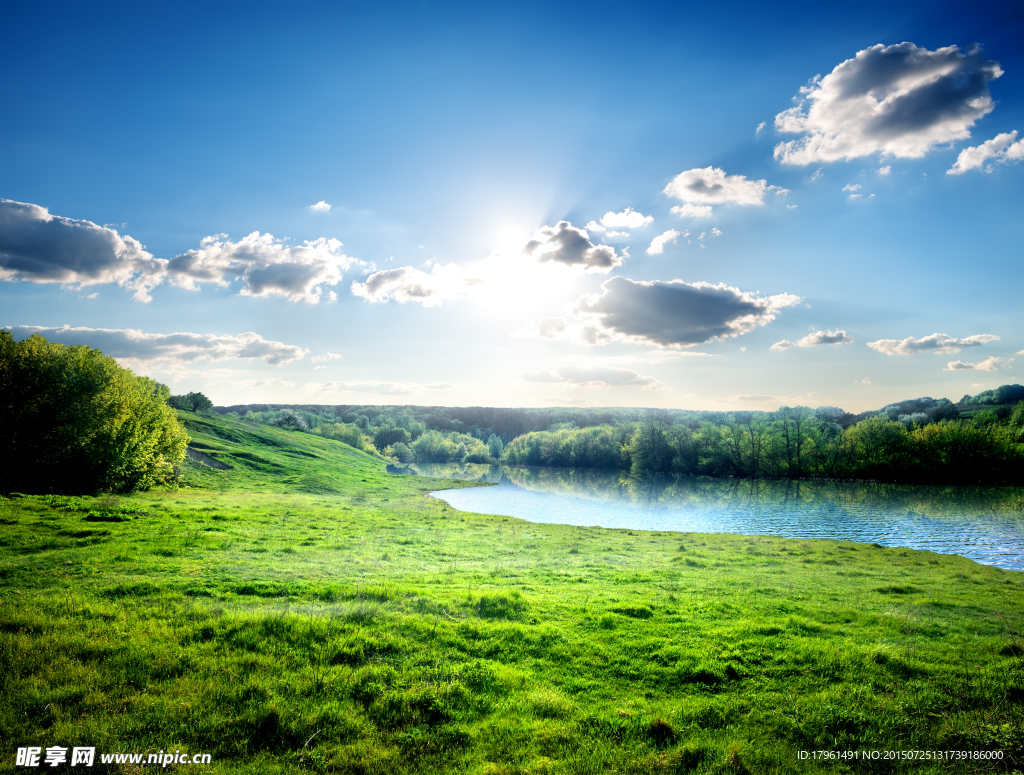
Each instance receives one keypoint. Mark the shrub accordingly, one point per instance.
(75, 421)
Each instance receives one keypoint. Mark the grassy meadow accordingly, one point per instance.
(301, 610)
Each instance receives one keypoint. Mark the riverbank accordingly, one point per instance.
(303, 610)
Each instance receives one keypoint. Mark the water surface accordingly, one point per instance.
(985, 524)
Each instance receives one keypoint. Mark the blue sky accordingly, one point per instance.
(161, 168)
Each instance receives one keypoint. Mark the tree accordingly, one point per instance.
(495, 446)
(387, 435)
(191, 402)
(73, 421)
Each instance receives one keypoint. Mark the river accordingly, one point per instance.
(985, 524)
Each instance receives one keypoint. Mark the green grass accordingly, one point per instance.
(305, 611)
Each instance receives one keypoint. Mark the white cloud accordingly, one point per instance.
(1000, 148)
(883, 171)
(852, 187)
(989, 364)
(264, 265)
(693, 211)
(627, 219)
(565, 244)
(132, 345)
(815, 339)
(898, 100)
(710, 186)
(716, 232)
(551, 327)
(936, 343)
(865, 381)
(41, 248)
(320, 207)
(760, 126)
(594, 376)
(406, 283)
(658, 243)
(373, 387)
(670, 313)
(325, 357)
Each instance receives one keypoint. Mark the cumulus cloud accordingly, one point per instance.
(38, 247)
(136, 346)
(627, 219)
(852, 187)
(325, 357)
(406, 283)
(320, 207)
(672, 313)
(814, 339)
(883, 171)
(989, 364)
(1000, 148)
(658, 243)
(898, 100)
(594, 376)
(567, 245)
(693, 211)
(264, 265)
(711, 186)
(936, 343)
(551, 327)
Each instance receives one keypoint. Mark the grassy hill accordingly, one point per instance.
(292, 607)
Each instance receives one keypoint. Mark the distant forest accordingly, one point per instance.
(978, 440)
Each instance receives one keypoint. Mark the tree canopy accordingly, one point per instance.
(191, 402)
(73, 421)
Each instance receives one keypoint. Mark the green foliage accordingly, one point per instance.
(1002, 395)
(74, 421)
(792, 443)
(437, 447)
(387, 435)
(348, 434)
(191, 402)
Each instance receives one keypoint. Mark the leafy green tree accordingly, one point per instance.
(74, 421)
(288, 418)
(200, 403)
(401, 452)
(495, 446)
(648, 448)
(387, 435)
(191, 402)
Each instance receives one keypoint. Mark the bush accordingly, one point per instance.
(191, 402)
(76, 422)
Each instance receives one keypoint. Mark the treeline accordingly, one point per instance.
(921, 439)
(394, 434)
(794, 443)
(478, 422)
